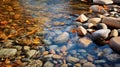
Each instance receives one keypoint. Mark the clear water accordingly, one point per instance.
(64, 11)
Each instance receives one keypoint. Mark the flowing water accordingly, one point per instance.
(59, 16)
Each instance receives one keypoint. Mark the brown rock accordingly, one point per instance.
(82, 18)
(115, 44)
(81, 31)
(112, 22)
(85, 42)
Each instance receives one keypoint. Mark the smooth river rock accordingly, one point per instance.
(103, 1)
(115, 44)
(8, 52)
(62, 38)
(112, 22)
(81, 31)
(82, 18)
(85, 42)
(102, 33)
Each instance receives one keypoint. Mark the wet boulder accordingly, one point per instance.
(116, 1)
(101, 34)
(98, 9)
(112, 22)
(115, 44)
(103, 1)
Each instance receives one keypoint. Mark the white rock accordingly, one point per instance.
(103, 1)
(62, 38)
(94, 20)
(82, 18)
(81, 31)
(85, 42)
(7, 52)
(102, 33)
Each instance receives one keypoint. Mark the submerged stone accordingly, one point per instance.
(63, 38)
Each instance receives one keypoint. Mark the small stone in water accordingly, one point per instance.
(101, 26)
(32, 53)
(26, 48)
(85, 42)
(72, 59)
(100, 61)
(62, 38)
(64, 65)
(88, 64)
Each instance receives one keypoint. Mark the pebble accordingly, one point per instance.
(48, 64)
(18, 47)
(32, 53)
(99, 61)
(94, 20)
(101, 26)
(26, 48)
(54, 47)
(82, 61)
(90, 58)
(35, 63)
(47, 42)
(113, 57)
(8, 52)
(64, 48)
(88, 25)
(73, 52)
(63, 38)
(72, 59)
(85, 42)
(52, 51)
(48, 56)
(114, 33)
(57, 56)
(77, 65)
(82, 18)
(81, 31)
(64, 65)
(102, 33)
(45, 53)
(88, 64)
